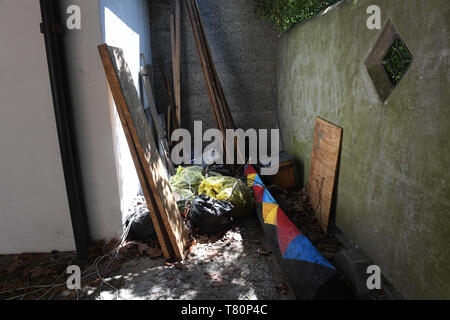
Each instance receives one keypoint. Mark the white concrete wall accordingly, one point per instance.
(109, 176)
(126, 24)
(92, 116)
(34, 212)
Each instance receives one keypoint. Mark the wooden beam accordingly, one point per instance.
(156, 122)
(173, 50)
(206, 71)
(114, 85)
(169, 106)
(177, 65)
(212, 67)
(213, 83)
(140, 137)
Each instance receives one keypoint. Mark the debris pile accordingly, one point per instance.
(43, 276)
(209, 201)
(297, 207)
(229, 189)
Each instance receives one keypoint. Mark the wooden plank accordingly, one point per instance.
(161, 232)
(114, 85)
(212, 67)
(217, 91)
(206, 72)
(127, 99)
(159, 129)
(322, 174)
(169, 123)
(169, 107)
(173, 50)
(176, 65)
(157, 123)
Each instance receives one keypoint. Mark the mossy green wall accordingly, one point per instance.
(394, 182)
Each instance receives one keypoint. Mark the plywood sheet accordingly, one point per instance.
(165, 211)
(322, 174)
(158, 126)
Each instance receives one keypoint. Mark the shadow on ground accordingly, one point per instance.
(236, 267)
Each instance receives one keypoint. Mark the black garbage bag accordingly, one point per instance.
(141, 228)
(220, 169)
(209, 215)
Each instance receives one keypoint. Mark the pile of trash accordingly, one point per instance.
(213, 198)
(141, 228)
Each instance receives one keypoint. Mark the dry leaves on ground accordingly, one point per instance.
(20, 274)
(281, 288)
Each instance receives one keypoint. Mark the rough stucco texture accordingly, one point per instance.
(393, 193)
(244, 51)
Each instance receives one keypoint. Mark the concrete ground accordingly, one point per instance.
(237, 266)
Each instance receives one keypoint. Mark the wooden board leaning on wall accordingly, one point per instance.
(169, 225)
(322, 174)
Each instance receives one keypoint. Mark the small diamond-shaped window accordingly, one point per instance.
(397, 60)
(388, 61)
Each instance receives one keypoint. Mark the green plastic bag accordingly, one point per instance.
(229, 189)
(187, 178)
(185, 184)
(182, 196)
